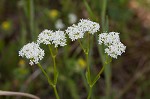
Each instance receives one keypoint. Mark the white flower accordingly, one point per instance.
(109, 38)
(50, 37)
(45, 37)
(59, 24)
(33, 52)
(59, 38)
(112, 41)
(115, 49)
(77, 31)
(74, 32)
(88, 26)
(72, 18)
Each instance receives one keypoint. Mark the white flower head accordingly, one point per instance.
(74, 32)
(72, 18)
(50, 37)
(112, 41)
(45, 37)
(59, 38)
(33, 52)
(115, 49)
(77, 31)
(109, 38)
(59, 24)
(88, 26)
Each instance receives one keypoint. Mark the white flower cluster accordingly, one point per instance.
(88, 26)
(112, 40)
(33, 52)
(45, 37)
(59, 38)
(74, 32)
(77, 31)
(50, 37)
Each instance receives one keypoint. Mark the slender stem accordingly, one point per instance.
(54, 61)
(87, 56)
(55, 71)
(10, 93)
(90, 93)
(107, 68)
(49, 81)
(88, 67)
(31, 17)
(56, 93)
(81, 45)
(51, 52)
(54, 64)
(103, 14)
(100, 72)
(88, 46)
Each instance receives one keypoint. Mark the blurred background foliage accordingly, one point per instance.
(22, 20)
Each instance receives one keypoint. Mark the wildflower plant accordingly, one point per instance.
(81, 31)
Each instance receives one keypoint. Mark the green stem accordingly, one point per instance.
(49, 81)
(90, 93)
(56, 93)
(98, 76)
(88, 68)
(100, 72)
(55, 70)
(32, 18)
(54, 64)
(81, 45)
(103, 14)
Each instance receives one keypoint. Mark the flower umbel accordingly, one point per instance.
(59, 38)
(50, 37)
(74, 32)
(88, 26)
(33, 52)
(109, 38)
(77, 31)
(45, 37)
(112, 41)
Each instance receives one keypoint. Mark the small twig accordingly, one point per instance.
(9, 93)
